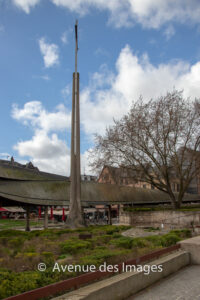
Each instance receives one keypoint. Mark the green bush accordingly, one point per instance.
(123, 242)
(104, 238)
(14, 233)
(74, 246)
(100, 256)
(16, 242)
(123, 227)
(169, 239)
(139, 243)
(110, 229)
(62, 256)
(30, 254)
(150, 229)
(13, 283)
(155, 240)
(3, 240)
(100, 248)
(59, 232)
(116, 235)
(184, 233)
(48, 257)
(30, 249)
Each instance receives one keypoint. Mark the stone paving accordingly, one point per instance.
(142, 232)
(182, 285)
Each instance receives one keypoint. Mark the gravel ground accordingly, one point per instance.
(141, 232)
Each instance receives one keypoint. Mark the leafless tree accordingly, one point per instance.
(159, 140)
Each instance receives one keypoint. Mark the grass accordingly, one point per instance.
(152, 229)
(20, 253)
(162, 208)
(9, 223)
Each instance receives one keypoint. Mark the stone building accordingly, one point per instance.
(127, 177)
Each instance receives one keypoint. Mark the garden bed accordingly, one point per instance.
(21, 252)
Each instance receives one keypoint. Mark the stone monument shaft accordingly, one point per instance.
(75, 213)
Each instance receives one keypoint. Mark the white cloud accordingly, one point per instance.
(66, 91)
(65, 36)
(44, 77)
(49, 153)
(149, 13)
(85, 168)
(34, 114)
(134, 76)
(108, 95)
(45, 149)
(26, 5)
(169, 32)
(42, 146)
(50, 53)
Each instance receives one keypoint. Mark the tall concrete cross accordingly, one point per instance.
(75, 211)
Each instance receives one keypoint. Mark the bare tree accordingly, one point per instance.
(159, 140)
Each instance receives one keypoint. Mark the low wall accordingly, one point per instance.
(126, 284)
(171, 219)
(193, 247)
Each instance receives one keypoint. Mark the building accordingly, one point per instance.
(127, 177)
(121, 176)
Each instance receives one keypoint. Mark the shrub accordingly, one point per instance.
(63, 231)
(100, 256)
(184, 233)
(30, 254)
(169, 239)
(3, 240)
(62, 256)
(111, 229)
(123, 227)
(12, 283)
(74, 246)
(48, 257)
(139, 243)
(104, 238)
(13, 233)
(30, 249)
(16, 242)
(123, 242)
(152, 229)
(116, 235)
(155, 240)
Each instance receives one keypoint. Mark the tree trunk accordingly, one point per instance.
(176, 205)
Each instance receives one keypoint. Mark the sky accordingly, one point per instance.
(127, 49)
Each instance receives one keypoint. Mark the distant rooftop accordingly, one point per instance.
(12, 162)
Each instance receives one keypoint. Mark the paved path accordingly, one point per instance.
(182, 285)
(141, 232)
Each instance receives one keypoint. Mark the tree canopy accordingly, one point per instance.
(159, 140)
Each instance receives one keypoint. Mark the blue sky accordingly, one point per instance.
(126, 49)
